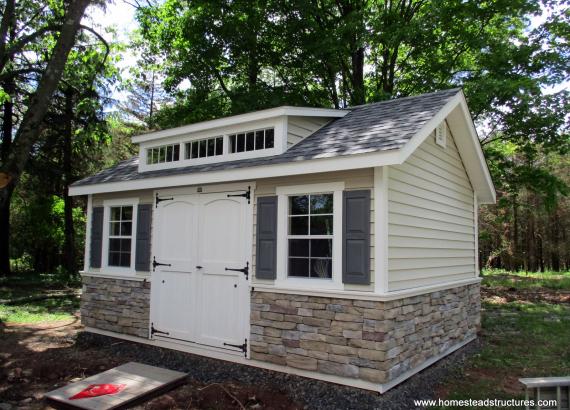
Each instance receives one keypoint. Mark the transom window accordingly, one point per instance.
(165, 153)
(208, 147)
(310, 236)
(120, 235)
(252, 140)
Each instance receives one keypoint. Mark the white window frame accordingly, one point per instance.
(282, 278)
(107, 204)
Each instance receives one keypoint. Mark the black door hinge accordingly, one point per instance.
(155, 263)
(242, 347)
(245, 270)
(246, 194)
(158, 199)
(153, 331)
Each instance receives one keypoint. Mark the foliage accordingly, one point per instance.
(40, 301)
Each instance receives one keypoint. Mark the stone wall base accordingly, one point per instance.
(372, 341)
(116, 305)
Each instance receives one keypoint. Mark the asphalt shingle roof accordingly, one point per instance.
(382, 126)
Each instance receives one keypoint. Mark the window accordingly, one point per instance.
(252, 140)
(165, 153)
(310, 236)
(120, 236)
(208, 147)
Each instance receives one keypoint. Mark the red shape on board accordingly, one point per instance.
(96, 390)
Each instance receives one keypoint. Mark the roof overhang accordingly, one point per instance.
(455, 111)
(459, 120)
(241, 119)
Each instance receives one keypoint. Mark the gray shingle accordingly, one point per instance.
(382, 126)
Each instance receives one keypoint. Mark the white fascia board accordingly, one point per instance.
(240, 119)
(468, 145)
(355, 161)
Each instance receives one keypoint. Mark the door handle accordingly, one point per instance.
(199, 267)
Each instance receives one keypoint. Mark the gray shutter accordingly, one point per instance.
(96, 236)
(266, 246)
(356, 237)
(142, 252)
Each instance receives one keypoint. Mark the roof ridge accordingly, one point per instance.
(408, 97)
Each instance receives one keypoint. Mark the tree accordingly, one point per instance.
(240, 57)
(29, 126)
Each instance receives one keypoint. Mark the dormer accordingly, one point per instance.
(253, 135)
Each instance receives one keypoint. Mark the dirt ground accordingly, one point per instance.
(37, 358)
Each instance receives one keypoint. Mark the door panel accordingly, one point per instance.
(172, 293)
(224, 293)
(176, 234)
(173, 287)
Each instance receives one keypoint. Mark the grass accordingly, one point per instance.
(32, 287)
(527, 280)
(524, 337)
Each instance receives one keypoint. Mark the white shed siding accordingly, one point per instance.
(299, 128)
(431, 226)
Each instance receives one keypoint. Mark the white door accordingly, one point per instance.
(198, 298)
(175, 249)
(222, 301)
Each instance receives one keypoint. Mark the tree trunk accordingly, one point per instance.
(69, 231)
(30, 127)
(5, 197)
(357, 80)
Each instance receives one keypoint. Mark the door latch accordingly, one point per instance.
(245, 270)
(153, 331)
(155, 263)
(242, 347)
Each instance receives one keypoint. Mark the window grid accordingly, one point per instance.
(207, 147)
(251, 140)
(163, 154)
(120, 236)
(305, 249)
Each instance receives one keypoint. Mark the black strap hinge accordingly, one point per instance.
(242, 347)
(245, 270)
(158, 199)
(246, 195)
(155, 263)
(153, 331)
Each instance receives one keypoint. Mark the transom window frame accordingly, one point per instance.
(282, 278)
(279, 126)
(107, 205)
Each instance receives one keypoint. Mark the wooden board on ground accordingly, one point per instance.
(125, 384)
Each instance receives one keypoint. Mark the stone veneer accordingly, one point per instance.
(116, 305)
(367, 340)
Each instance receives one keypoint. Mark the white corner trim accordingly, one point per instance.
(134, 278)
(477, 145)
(87, 258)
(429, 127)
(360, 295)
(381, 278)
(392, 383)
(476, 227)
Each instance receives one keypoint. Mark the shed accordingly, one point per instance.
(339, 245)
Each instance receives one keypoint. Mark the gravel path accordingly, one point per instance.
(313, 394)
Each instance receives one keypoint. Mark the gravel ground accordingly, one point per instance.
(313, 394)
